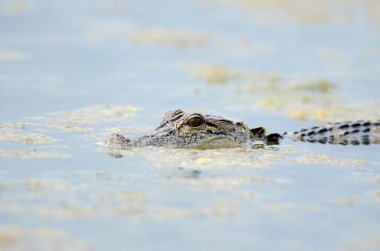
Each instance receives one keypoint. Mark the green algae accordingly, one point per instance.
(31, 154)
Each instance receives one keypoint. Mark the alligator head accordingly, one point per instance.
(180, 129)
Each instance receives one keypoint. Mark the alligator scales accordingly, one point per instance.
(180, 129)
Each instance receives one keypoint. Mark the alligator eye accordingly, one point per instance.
(195, 122)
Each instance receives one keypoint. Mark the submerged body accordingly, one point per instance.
(180, 129)
(351, 132)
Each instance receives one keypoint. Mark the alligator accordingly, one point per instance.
(180, 129)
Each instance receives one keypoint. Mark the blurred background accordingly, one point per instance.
(211, 54)
(71, 72)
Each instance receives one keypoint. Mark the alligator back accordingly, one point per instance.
(351, 132)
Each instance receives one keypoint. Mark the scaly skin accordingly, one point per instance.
(180, 129)
(351, 132)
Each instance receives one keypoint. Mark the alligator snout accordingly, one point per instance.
(117, 141)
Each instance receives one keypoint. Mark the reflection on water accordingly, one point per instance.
(72, 73)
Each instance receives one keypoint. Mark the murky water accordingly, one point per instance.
(73, 72)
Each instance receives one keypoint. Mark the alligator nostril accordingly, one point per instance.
(120, 138)
(116, 141)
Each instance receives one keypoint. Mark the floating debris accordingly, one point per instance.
(166, 37)
(76, 120)
(15, 133)
(13, 237)
(31, 154)
(217, 74)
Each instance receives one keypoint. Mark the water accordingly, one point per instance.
(119, 65)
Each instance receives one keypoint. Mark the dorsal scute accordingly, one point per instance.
(350, 132)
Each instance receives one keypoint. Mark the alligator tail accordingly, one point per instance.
(347, 133)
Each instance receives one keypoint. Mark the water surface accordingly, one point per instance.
(71, 73)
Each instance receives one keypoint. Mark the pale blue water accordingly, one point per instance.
(78, 55)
